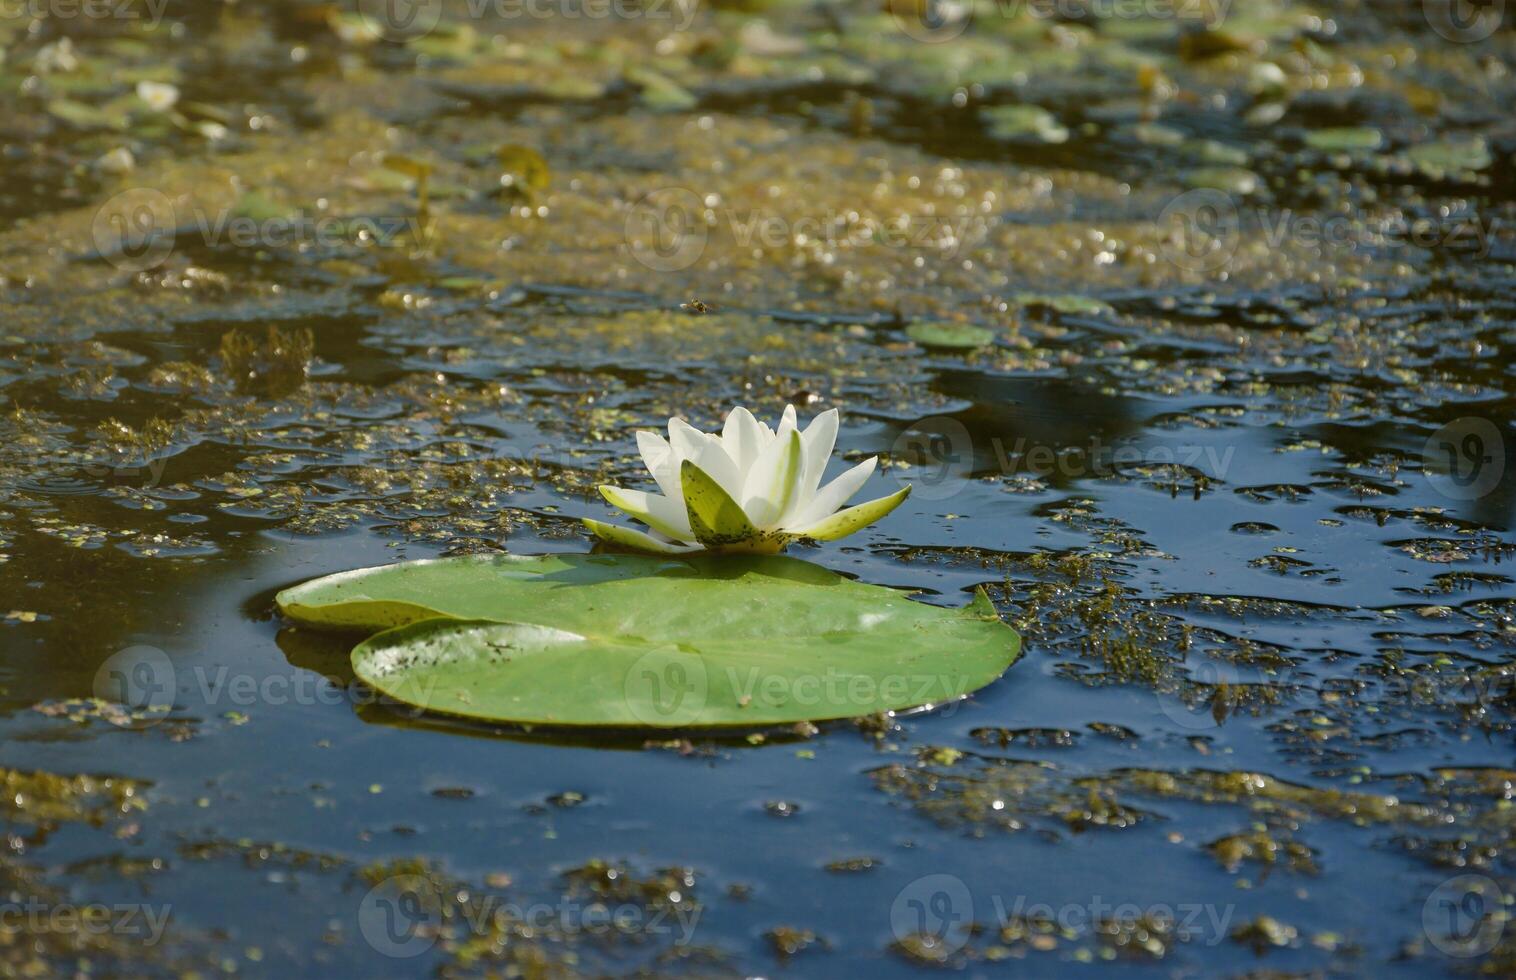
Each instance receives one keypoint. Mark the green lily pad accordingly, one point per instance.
(1448, 158)
(1157, 134)
(1024, 123)
(643, 642)
(1344, 139)
(1229, 180)
(1070, 303)
(960, 336)
(260, 207)
(82, 115)
(1216, 153)
(661, 93)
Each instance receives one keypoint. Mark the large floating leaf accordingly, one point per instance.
(621, 640)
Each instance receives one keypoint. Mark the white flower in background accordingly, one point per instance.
(749, 489)
(159, 96)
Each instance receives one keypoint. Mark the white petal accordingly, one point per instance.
(660, 460)
(685, 438)
(843, 523)
(632, 538)
(663, 514)
(706, 452)
(760, 486)
(834, 495)
(819, 438)
(743, 438)
(715, 518)
(772, 485)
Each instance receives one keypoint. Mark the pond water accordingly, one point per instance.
(291, 288)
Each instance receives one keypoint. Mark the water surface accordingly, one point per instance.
(1248, 283)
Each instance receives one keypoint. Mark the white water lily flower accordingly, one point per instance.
(159, 96)
(749, 489)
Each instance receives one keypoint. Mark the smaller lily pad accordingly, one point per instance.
(1445, 159)
(1216, 153)
(82, 115)
(1067, 303)
(1157, 134)
(661, 93)
(955, 336)
(1024, 124)
(1345, 139)
(1229, 180)
(257, 206)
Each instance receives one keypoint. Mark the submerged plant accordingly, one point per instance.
(749, 489)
